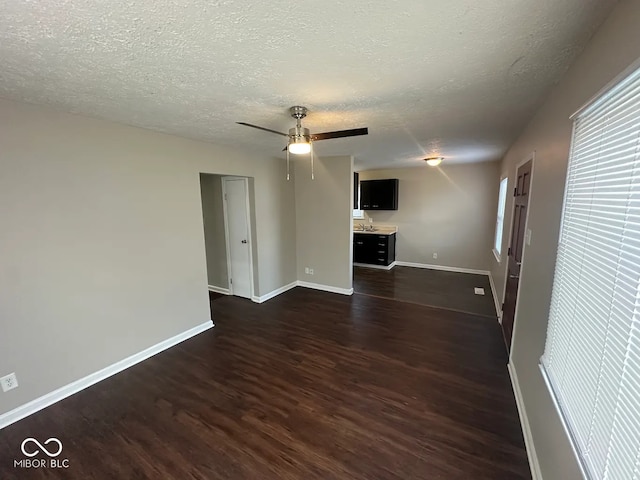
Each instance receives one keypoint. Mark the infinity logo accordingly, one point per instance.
(33, 440)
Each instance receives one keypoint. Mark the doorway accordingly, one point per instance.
(227, 220)
(519, 235)
(235, 192)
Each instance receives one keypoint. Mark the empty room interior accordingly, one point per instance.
(340, 240)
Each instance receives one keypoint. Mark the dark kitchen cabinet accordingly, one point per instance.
(379, 194)
(374, 249)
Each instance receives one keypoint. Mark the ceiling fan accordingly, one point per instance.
(300, 141)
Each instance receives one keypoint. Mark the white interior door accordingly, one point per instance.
(236, 213)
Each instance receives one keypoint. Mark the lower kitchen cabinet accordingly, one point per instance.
(374, 249)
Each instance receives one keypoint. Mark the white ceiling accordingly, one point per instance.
(458, 78)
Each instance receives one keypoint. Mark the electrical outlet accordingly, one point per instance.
(306, 270)
(435, 255)
(9, 382)
(311, 271)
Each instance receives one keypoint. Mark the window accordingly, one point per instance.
(591, 360)
(502, 201)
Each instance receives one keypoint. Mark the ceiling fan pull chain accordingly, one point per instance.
(312, 175)
(287, 164)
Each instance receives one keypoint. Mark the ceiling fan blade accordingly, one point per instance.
(262, 128)
(354, 132)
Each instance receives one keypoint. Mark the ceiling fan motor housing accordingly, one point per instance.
(298, 134)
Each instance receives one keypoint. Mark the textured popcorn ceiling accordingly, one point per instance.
(458, 78)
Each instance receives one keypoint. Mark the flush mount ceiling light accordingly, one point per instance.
(434, 161)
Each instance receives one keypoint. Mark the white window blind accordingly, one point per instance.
(592, 354)
(502, 201)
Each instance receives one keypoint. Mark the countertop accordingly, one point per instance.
(379, 230)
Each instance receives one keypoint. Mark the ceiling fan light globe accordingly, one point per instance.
(299, 148)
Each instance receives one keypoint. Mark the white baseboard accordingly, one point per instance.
(380, 267)
(495, 298)
(74, 387)
(442, 267)
(534, 465)
(300, 283)
(326, 288)
(223, 291)
(274, 293)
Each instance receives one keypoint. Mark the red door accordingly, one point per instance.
(514, 258)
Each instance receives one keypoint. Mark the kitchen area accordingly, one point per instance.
(433, 249)
(374, 246)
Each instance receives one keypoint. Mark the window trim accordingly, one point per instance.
(498, 253)
(607, 88)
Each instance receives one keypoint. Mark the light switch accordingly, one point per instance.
(528, 236)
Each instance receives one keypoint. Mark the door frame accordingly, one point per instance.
(532, 157)
(226, 230)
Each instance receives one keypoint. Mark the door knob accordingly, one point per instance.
(244, 241)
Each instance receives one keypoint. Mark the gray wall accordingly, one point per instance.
(214, 235)
(324, 209)
(287, 225)
(450, 209)
(102, 246)
(613, 48)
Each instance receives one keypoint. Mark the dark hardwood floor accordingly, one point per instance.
(436, 288)
(309, 385)
(213, 296)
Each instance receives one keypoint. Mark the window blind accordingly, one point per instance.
(592, 354)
